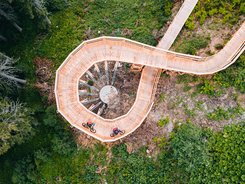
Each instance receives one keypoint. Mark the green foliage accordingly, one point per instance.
(8, 78)
(51, 118)
(186, 157)
(54, 5)
(227, 11)
(242, 8)
(198, 156)
(220, 114)
(190, 24)
(163, 121)
(132, 19)
(185, 78)
(63, 145)
(14, 14)
(234, 75)
(35, 9)
(189, 148)
(15, 124)
(130, 168)
(7, 17)
(45, 167)
(219, 46)
(199, 106)
(189, 112)
(192, 45)
(206, 88)
(162, 97)
(227, 152)
(90, 82)
(194, 155)
(187, 88)
(161, 142)
(24, 172)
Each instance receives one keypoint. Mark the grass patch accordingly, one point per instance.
(189, 112)
(162, 97)
(234, 75)
(192, 45)
(185, 78)
(220, 114)
(199, 105)
(187, 88)
(160, 142)
(163, 121)
(226, 11)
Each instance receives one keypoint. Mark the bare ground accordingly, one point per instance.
(44, 73)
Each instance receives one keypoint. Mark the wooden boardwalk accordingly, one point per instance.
(125, 50)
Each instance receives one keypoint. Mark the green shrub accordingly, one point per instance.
(16, 124)
(190, 24)
(54, 5)
(234, 75)
(207, 88)
(191, 45)
(242, 8)
(219, 46)
(161, 142)
(226, 150)
(228, 11)
(90, 82)
(163, 121)
(220, 114)
(63, 145)
(189, 112)
(199, 104)
(131, 168)
(162, 97)
(186, 78)
(24, 172)
(187, 88)
(189, 154)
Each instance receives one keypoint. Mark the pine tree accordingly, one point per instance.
(15, 124)
(8, 78)
(7, 14)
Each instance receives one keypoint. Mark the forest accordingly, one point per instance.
(37, 145)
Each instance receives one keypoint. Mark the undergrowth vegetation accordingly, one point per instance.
(215, 85)
(226, 11)
(193, 155)
(192, 45)
(220, 114)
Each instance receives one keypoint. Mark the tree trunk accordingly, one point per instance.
(17, 27)
(13, 78)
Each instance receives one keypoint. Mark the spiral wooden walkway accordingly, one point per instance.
(125, 50)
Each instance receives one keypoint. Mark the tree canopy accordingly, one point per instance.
(15, 124)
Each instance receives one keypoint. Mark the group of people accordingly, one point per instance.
(115, 130)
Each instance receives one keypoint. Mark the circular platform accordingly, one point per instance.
(108, 94)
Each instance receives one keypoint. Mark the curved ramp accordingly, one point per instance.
(125, 50)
